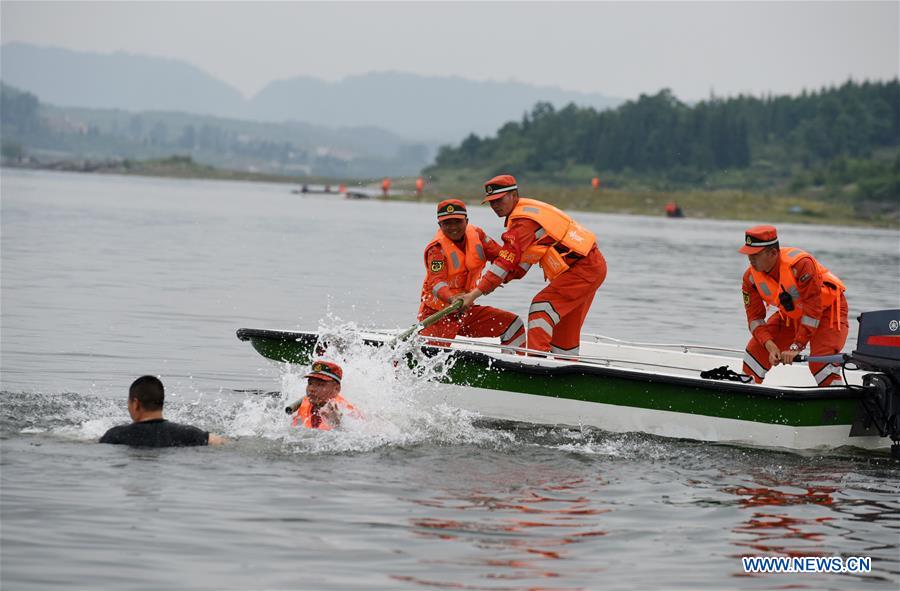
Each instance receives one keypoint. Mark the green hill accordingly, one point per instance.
(836, 149)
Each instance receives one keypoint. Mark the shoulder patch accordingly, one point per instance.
(436, 266)
(746, 298)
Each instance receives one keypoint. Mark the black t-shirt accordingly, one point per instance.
(156, 433)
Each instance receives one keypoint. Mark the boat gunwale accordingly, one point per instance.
(789, 393)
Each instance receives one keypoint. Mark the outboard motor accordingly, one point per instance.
(878, 350)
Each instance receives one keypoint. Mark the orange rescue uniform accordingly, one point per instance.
(539, 233)
(451, 269)
(818, 317)
(308, 415)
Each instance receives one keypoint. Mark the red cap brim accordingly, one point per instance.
(494, 197)
(751, 249)
(320, 376)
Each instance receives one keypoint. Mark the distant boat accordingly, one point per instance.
(314, 189)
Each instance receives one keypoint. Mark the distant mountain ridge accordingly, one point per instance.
(116, 81)
(424, 108)
(48, 133)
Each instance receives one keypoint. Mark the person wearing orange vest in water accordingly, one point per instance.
(454, 260)
(420, 184)
(810, 303)
(323, 405)
(538, 233)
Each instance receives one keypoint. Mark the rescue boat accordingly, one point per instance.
(669, 390)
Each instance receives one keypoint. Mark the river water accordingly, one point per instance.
(107, 278)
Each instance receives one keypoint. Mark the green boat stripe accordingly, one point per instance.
(622, 387)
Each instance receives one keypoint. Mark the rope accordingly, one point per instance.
(725, 373)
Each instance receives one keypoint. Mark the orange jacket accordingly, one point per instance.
(812, 289)
(536, 233)
(309, 417)
(450, 270)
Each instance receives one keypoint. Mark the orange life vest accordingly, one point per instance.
(770, 290)
(562, 231)
(309, 417)
(463, 268)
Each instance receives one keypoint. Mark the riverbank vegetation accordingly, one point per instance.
(835, 150)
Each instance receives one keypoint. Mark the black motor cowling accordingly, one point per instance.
(878, 350)
(878, 342)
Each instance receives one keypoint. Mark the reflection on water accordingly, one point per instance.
(524, 532)
(774, 533)
(797, 515)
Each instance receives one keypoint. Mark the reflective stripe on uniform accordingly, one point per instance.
(572, 351)
(480, 250)
(754, 365)
(525, 266)
(795, 293)
(809, 321)
(756, 324)
(455, 258)
(497, 270)
(519, 341)
(540, 233)
(546, 308)
(824, 373)
(540, 323)
(437, 287)
(510, 332)
(764, 289)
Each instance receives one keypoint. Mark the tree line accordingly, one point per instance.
(661, 134)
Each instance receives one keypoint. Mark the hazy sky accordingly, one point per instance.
(615, 48)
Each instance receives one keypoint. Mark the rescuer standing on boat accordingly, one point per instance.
(812, 309)
(454, 260)
(323, 405)
(539, 233)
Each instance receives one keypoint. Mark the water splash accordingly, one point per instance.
(399, 405)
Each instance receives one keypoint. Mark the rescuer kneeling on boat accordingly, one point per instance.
(811, 307)
(454, 260)
(539, 233)
(323, 405)
(146, 396)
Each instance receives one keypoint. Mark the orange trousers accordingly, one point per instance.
(477, 321)
(558, 311)
(828, 339)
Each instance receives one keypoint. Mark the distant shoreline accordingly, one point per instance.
(719, 204)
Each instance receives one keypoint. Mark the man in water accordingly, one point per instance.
(537, 232)
(454, 260)
(810, 301)
(323, 405)
(149, 429)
